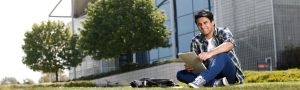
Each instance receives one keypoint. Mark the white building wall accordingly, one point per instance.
(90, 66)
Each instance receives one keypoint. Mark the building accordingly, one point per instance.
(179, 21)
(89, 66)
(182, 21)
(261, 28)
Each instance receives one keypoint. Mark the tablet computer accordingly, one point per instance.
(191, 58)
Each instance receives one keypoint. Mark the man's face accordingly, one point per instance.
(205, 26)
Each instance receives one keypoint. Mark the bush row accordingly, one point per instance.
(272, 76)
(69, 84)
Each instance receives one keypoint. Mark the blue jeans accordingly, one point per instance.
(220, 66)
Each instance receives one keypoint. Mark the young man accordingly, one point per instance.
(214, 46)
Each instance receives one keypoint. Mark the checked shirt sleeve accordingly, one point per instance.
(195, 45)
(227, 36)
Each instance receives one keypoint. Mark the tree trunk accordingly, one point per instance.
(129, 56)
(74, 73)
(56, 76)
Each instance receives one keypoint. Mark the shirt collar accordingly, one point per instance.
(202, 37)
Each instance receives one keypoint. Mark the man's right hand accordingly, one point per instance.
(188, 67)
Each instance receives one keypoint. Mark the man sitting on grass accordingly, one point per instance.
(214, 46)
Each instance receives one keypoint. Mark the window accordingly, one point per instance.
(185, 24)
(183, 7)
(200, 4)
(185, 41)
(153, 54)
(165, 52)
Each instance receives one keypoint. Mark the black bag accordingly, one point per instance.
(149, 82)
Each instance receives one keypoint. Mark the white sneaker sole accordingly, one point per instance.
(193, 85)
(225, 82)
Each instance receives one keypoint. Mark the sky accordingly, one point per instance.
(17, 17)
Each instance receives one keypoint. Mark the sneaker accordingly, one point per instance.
(221, 82)
(198, 82)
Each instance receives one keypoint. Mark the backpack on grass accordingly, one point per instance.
(149, 82)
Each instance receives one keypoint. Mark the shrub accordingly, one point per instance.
(165, 61)
(69, 84)
(272, 76)
(80, 84)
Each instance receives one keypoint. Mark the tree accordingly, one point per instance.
(72, 52)
(9, 80)
(115, 27)
(50, 47)
(50, 77)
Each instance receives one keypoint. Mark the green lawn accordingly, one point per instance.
(247, 86)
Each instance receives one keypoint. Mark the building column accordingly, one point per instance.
(174, 28)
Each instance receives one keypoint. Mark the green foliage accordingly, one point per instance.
(131, 66)
(165, 61)
(273, 76)
(114, 27)
(291, 58)
(80, 84)
(71, 84)
(72, 52)
(51, 46)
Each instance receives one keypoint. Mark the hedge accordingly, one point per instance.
(69, 84)
(272, 76)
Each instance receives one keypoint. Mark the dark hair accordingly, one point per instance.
(204, 13)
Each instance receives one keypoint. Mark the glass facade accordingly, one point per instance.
(287, 24)
(251, 23)
(185, 10)
(261, 28)
(186, 30)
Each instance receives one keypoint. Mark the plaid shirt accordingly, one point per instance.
(199, 44)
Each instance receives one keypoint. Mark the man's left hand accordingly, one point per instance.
(204, 56)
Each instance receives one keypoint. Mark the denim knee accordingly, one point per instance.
(180, 75)
(222, 55)
(185, 76)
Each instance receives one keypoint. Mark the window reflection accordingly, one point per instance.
(183, 7)
(184, 42)
(185, 24)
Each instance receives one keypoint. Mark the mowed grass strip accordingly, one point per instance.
(246, 86)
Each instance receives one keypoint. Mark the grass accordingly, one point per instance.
(247, 86)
